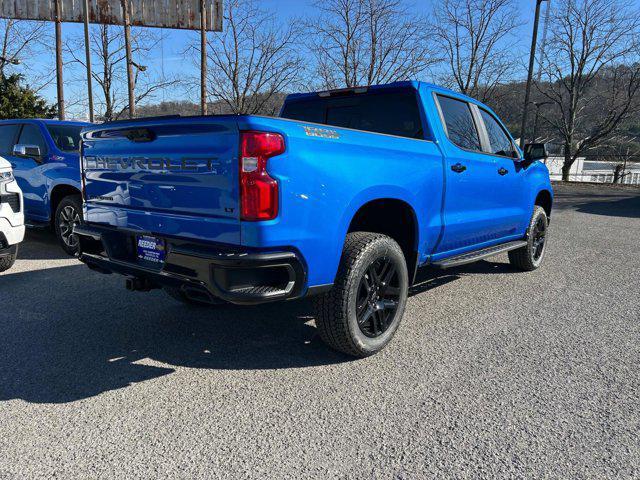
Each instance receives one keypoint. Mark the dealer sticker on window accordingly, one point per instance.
(151, 249)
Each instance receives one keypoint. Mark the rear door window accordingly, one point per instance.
(499, 141)
(460, 126)
(30, 135)
(7, 138)
(66, 137)
(392, 113)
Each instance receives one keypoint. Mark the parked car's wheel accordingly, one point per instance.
(7, 262)
(68, 214)
(179, 295)
(363, 310)
(529, 257)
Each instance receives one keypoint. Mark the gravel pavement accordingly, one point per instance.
(493, 374)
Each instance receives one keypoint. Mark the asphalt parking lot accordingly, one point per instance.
(494, 373)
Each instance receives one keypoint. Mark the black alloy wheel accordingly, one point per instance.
(539, 235)
(69, 218)
(363, 310)
(529, 257)
(68, 215)
(378, 298)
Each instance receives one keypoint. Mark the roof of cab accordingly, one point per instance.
(46, 121)
(415, 84)
(386, 86)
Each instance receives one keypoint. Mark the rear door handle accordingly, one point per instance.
(458, 168)
(503, 171)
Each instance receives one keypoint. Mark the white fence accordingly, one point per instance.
(598, 171)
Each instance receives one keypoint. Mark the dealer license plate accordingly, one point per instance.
(151, 249)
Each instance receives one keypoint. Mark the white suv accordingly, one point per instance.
(11, 216)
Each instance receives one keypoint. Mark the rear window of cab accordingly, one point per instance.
(391, 113)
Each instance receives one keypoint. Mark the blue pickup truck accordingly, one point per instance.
(45, 156)
(343, 197)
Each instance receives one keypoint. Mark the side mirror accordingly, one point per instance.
(28, 151)
(535, 151)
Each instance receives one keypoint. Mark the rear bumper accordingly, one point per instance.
(201, 271)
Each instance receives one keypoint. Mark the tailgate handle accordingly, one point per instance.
(139, 135)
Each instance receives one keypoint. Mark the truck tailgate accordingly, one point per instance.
(166, 176)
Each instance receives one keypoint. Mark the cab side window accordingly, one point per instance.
(7, 138)
(500, 143)
(461, 128)
(30, 135)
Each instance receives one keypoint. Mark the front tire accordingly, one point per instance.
(363, 310)
(7, 262)
(529, 257)
(68, 214)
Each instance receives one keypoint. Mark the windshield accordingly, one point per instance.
(66, 137)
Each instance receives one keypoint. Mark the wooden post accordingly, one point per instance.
(59, 79)
(203, 57)
(87, 49)
(127, 43)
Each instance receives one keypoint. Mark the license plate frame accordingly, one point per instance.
(151, 250)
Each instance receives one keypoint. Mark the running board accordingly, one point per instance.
(476, 255)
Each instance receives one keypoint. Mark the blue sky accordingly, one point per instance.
(177, 40)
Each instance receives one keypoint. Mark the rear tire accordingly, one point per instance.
(7, 262)
(361, 313)
(529, 257)
(68, 214)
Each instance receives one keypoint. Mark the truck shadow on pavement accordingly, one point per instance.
(612, 203)
(626, 207)
(41, 244)
(428, 279)
(69, 333)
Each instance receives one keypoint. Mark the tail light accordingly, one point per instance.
(258, 191)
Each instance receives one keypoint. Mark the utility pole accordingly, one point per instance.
(543, 48)
(127, 43)
(59, 79)
(538, 105)
(543, 44)
(532, 59)
(87, 51)
(203, 57)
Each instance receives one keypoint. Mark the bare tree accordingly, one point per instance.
(592, 73)
(20, 42)
(109, 67)
(366, 42)
(472, 36)
(623, 152)
(252, 61)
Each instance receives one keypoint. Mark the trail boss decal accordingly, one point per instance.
(321, 132)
